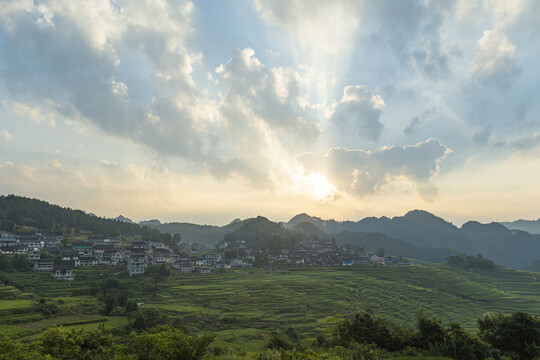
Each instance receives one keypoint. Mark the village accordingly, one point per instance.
(46, 252)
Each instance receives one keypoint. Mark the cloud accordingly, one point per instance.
(6, 136)
(325, 33)
(306, 20)
(84, 62)
(495, 62)
(360, 110)
(264, 110)
(361, 173)
(39, 114)
(482, 137)
(417, 121)
(274, 96)
(528, 146)
(110, 190)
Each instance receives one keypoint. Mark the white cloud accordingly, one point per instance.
(359, 110)
(79, 60)
(265, 115)
(360, 172)
(496, 60)
(38, 113)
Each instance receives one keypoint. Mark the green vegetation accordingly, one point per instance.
(17, 211)
(470, 262)
(244, 307)
(363, 336)
(263, 234)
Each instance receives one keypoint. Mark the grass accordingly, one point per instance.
(244, 306)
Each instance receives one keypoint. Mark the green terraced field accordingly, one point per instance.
(242, 307)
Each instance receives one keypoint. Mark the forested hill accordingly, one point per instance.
(516, 249)
(22, 211)
(260, 233)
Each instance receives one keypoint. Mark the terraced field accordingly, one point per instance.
(244, 306)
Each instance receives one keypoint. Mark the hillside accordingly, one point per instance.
(262, 234)
(22, 211)
(516, 249)
(202, 234)
(243, 306)
(371, 242)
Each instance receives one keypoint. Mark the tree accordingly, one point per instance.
(63, 344)
(13, 350)
(166, 343)
(517, 335)
(380, 252)
(430, 332)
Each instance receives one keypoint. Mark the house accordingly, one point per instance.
(212, 259)
(101, 248)
(363, 259)
(63, 272)
(7, 241)
(69, 255)
(33, 256)
(347, 262)
(32, 242)
(202, 269)
(84, 248)
(112, 257)
(139, 245)
(375, 260)
(163, 255)
(184, 266)
(136, 264)
(43, 265)
(84, 261)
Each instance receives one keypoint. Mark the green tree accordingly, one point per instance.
(430, 332)
(166, 343)
(517, 335)
(63, 344)
(13, 350)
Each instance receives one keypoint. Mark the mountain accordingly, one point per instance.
(531, 226)
(515, 249)
(309, 229)
(262, 234)
(371, 242)
(22, 211)
(202, 234)
(124, 219)
(151, 223)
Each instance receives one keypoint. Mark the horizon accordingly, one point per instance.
(206, 112)
(277, 220)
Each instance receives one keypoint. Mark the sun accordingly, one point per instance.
(316, 186)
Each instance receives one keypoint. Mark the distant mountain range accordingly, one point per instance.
(515, 248)
(531, 226)
(418, 234)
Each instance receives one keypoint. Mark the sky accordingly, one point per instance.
(207, 111)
